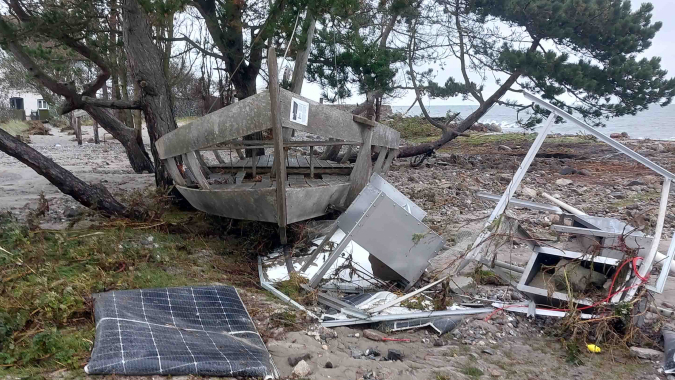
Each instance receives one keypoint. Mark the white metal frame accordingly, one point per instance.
(645, 267)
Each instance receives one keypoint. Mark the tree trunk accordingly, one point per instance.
(138, 157)
(449, 135)
(96, 139)
(95, 197)
(143, 58)
(302, 57)
(138, 121)
(78, 130)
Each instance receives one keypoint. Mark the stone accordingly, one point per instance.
(324, 347)
(635, 182)
(356, 353)
(529, 192)
(394, 355)
(659, 148)
(373, 335)
(646, 353)
(373, 352)
(585, 172)
(488, 351)
(563, 182)
(71, 212)
(294, 360)
(495, 373)
(302, 369)
(329, 365)
(566, 170)
(503, 147)
(439, 343)
(505, 178)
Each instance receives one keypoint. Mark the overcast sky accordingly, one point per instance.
(663, 45)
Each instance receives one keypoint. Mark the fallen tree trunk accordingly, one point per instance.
(95, 197)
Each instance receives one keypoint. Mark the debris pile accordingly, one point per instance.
(370, 268)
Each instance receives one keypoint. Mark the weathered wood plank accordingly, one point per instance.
(172, 168)
(362, 168)
(219, 158)
(239, 178)
(390, 158)
(277, 133)
(377, 168)
(202, 163)
(293, 161)
(316, 182)
(196, 171)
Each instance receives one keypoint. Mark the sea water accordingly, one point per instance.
(656, 123)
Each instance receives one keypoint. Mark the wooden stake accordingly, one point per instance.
(277, 134)
(96, 140)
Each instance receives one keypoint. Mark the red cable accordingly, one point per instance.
(633, 261)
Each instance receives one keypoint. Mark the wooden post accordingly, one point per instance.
(363, 167)
(380, 159)
(254, 163)
(277, 134)
(311, 162)
(390, 157)
(96, 140)
(78, 130)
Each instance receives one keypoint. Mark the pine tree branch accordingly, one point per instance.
(114, 103)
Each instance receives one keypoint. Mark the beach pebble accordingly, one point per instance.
(302, 369)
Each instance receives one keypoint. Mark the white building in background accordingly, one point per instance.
(29, 102)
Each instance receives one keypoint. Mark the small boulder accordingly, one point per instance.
(563, 182)
(584, 172)
(505, 178)
(529, 192)
(373, 352)
(394, 355)
(356, 353)
(504, 148)
(566, 170)
(646, 353)
(302, 369)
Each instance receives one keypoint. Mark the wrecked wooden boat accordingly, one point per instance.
(289, 183)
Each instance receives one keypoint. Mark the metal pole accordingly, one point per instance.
(478, 245)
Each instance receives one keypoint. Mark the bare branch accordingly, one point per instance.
(115, 104)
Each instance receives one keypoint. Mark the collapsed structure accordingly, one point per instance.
(379, 245)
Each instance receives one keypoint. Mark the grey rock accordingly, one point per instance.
(356, 353)
(505, 178)
(563, 182)
(302, 369)
(439, 343)
(529, 192)
(72, 212)
(618, 195)
(646, 353)
(566, 170)
(488, 351)
(373, 352)
(503, 147)
(394, 355)
(585, 172)
(635, 182)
